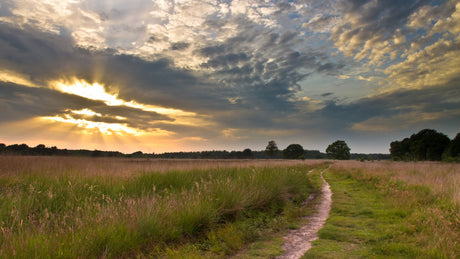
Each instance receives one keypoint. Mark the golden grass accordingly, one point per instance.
(124, 167)
(114, 207)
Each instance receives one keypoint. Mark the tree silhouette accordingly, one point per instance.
(427, 144)
(271, 148)
(294, 151)
(338, 150)
(247, 153)
(400, 150)
(453, 150)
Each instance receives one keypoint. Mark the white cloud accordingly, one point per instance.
(430, 62)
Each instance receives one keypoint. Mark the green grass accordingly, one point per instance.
(269, 244)
(377, 216)
(202, 213)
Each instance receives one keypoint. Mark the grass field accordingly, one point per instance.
(392, 210)
(84, 207)
(98, 207)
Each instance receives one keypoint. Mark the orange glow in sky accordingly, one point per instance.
(105, 128)
(98, 92)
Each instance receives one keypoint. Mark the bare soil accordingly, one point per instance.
(298, 241)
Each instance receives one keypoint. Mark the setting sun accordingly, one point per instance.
(105, 128)
(93, 91)
(98, 92)
(228, 74)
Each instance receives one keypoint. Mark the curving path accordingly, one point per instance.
(298, 241)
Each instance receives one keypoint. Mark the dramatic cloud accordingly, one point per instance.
(193, 75)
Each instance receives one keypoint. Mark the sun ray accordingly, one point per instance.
(98, 92)
(86, 112)
(105, 128)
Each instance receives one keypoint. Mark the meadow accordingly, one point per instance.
(62, 207)
(392, 210)
(75, 207)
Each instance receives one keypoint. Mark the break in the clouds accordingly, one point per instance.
(195, 75)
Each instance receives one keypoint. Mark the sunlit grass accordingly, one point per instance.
(77, 207)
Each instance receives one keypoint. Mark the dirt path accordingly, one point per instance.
(298, 242)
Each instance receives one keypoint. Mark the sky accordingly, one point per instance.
(173, 75)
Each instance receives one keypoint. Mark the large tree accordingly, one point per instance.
(338, 150)
(427, 144)
(271, 148)
(294, 151)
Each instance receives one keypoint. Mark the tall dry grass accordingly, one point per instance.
(100, 207)
(124, 167)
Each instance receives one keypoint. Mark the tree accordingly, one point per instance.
(137, 154)
(453, 150)
(271, 148)
(40, 149)
(22, 149)
(247, 153)
(455, 146)
(294, 151)
(400, 150)
(338, 150)
(427, 144)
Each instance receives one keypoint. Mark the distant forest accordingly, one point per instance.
(42, 150)
(426, 145)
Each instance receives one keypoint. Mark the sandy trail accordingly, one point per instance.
(298, 241)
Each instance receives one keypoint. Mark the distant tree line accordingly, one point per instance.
(42, 150)
(426, 145)
(245, 154)
(292, 151)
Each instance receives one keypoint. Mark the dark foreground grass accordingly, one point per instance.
(198, 213)
(375, 216)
